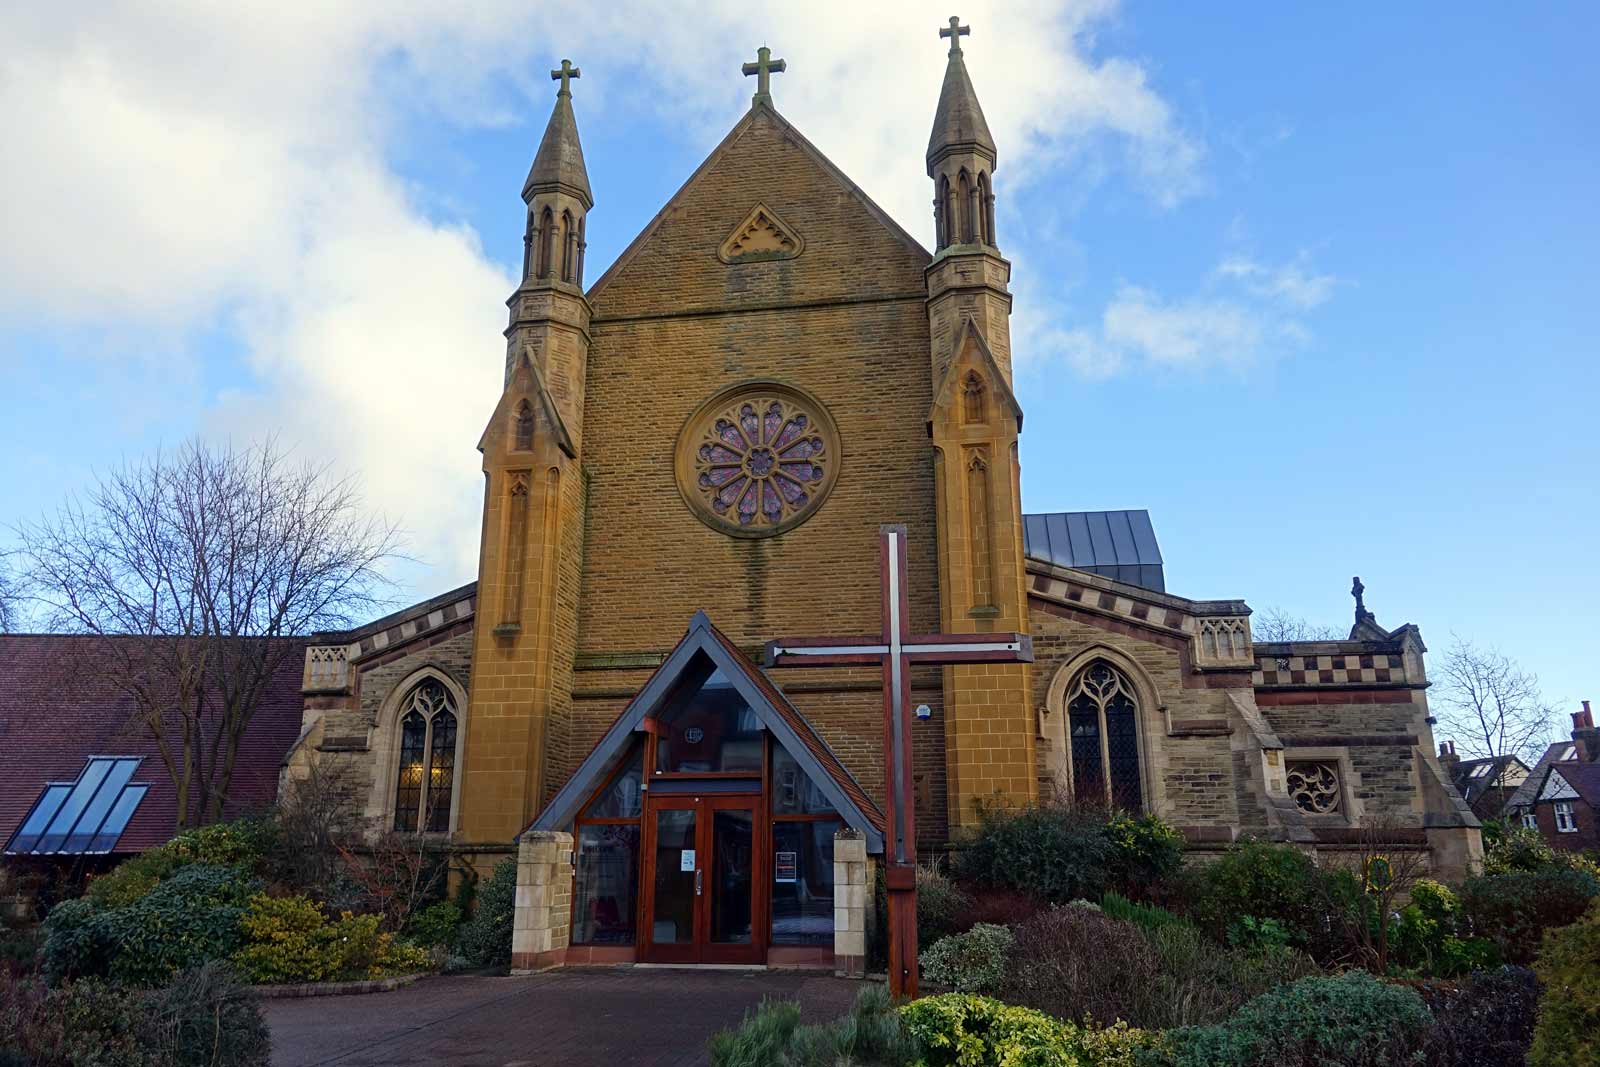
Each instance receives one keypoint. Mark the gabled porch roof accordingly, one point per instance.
(788, 726)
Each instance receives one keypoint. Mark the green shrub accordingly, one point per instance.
(75, 946)
(1425, 940)
(434, 925)
(940, 905)
(1264, 881)
(961, 1030)
(289, 939)
(1074, 962)
(1515, 908)
(207, 1018)
(1484, 1020)
(242, 843)
(973, 962)
(1053, 852)
(189, 918)
(1353, 1020)
(1568, 1030)
(76, 1024)
(1515, 848)
(1145, 916)
(1144, 851)
(485, 938)
(872, 1033)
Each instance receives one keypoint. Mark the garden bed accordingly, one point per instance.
(333, 989)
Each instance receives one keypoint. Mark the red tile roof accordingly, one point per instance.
(55, 713)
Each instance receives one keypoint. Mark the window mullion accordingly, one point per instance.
(427, 777)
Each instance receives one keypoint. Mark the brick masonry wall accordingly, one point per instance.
(1587, 836)
(1379, 739)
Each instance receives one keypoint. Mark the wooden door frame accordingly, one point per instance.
(701, 949)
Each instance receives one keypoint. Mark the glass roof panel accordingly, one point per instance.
(104, 797)
(82, 793)
(49, 802)
(117, 820)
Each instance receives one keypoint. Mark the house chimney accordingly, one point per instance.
(1585, 736)
(1447, 754)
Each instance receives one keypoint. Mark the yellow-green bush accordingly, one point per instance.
(960, 1030)
(289, 939)
(241, 843)
(1568, 1031)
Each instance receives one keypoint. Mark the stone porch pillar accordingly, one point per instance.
(543, 924)
(852, 903)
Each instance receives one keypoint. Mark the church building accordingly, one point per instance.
(695, 454)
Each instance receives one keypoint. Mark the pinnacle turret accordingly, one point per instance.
(559, 162)
(958, 123)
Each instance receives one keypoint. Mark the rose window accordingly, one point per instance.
(757, 460)
(1314, 787)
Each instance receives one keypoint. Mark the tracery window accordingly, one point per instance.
(426, 778)
(1103, 732)
(1314, 786)
(757, 460)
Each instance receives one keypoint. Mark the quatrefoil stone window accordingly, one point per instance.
(757, 459)
(1314, 786)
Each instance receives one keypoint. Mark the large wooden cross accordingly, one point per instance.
(895, 650)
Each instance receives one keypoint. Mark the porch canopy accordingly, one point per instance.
(705, 650)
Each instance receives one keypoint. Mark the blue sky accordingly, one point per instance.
(1313, 285)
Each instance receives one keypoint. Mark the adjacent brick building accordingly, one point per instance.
(1561, 797)
(693, 456)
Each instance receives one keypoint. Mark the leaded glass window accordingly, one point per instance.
(1103, 738)
(426, 779)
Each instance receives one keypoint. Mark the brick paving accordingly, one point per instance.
(612, 1017)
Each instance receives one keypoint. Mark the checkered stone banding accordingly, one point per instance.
(1349, 668)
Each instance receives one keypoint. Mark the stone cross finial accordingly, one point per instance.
(565, 76)
(955, 33)
(762, 68)
(1356, 590)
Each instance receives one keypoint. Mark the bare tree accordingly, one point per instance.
(10, 608)
(1489, 704)
(1276, 624)
(1390, 864)
(196, 569)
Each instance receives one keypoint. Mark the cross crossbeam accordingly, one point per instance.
(895, 650)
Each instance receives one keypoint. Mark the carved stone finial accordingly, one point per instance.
(763, 68)
(1357, 590)
(955, 33)
(565, 76)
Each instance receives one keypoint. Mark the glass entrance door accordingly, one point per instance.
(703, 882)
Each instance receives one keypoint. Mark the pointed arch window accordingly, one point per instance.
(569, 247)
(964, 191)
(941, 213)
(972, 398)
(547, 236)
(429, 738)
(1103, 732)
(524, 430)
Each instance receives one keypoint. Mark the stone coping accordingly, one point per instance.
(333, 989)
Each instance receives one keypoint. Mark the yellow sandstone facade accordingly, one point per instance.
(720, 423)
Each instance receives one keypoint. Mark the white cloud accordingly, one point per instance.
(1244, 312)
(1295, 283)
(194, 166)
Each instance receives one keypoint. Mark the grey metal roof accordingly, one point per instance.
(1120, 545)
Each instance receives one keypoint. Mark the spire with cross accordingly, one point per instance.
(565, 76)
(955, 32)
(763, 68)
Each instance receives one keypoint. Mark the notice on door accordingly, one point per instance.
(786, 867)
(686, 860)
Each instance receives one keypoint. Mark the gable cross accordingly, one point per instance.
(955, 33)
(895, 649)
(763, 68)
(565, 76)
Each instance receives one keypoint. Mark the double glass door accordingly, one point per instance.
(703, 876)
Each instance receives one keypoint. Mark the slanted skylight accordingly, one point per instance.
(1479, 772)
(85, 816)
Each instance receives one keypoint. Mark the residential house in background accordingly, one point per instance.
(1561, 796)
(1485, 784)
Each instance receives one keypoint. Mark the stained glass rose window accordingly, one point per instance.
(757, 459)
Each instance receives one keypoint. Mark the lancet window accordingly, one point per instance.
(426, 782)
(1103, 732)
